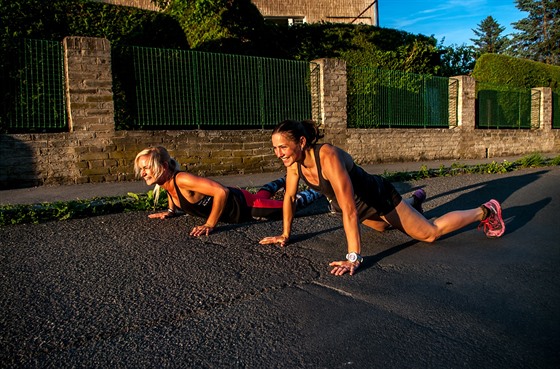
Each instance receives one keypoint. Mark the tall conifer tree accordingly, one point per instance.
(489, 37)
(539, 36)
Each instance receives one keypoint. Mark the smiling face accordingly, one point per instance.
(288, 150)
(146, 171)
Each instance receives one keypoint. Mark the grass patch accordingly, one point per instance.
(528, 161)
(63, 210)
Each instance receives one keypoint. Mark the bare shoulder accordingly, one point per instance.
(188, 180)
(185, 176)
(332, 155)
(292, 170)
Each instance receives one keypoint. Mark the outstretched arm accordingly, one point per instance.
(288, 208)
(336, 165)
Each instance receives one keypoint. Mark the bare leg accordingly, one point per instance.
(408, 220)
(379, 224)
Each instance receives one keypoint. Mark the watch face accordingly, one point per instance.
(352, 257)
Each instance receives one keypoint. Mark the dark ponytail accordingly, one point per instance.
(294, 130)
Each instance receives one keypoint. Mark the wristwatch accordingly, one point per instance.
(353, 257)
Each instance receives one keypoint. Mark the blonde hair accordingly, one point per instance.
(157, 158)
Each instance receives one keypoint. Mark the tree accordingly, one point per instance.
(457, 60)
(489, 39)
(539, 36)
(227, 26)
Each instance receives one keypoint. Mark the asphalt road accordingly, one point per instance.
(125, 291)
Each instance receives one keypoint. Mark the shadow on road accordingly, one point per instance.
(305, 236)
(499, 189)
(370, 261)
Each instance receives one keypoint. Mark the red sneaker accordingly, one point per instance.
(493, 225)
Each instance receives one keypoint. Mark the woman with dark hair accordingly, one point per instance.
(203, 197)
(359, 196)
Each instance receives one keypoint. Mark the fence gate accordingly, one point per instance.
(389, 99)
(555, 109)
(502, 106)
(37, 88)
(187, 89)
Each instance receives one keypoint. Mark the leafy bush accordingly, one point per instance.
(63, 210)
(224, 26)
(507, 70)
(54, 20)
(359, 45)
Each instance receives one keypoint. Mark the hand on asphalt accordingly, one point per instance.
(159, 215)
(345, 266)
(201, 230)
(275, 239)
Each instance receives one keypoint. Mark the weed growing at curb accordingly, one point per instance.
(528, 161)
(38, 213)
(62, 210)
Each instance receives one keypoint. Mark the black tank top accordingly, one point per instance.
(367, 188)
(235, 210)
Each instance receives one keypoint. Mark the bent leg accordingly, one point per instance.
(408, 220)
(306, 197)
(414, 201)
(269, 189)
(266, 208)
(378, 224)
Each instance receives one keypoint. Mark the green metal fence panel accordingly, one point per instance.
(188, 89)
(499, 106)
(384, 99)
(38, 98)
(555, 109)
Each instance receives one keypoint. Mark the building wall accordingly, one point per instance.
(93, 151)
(318, 10)
(311, 10)
(142, 4)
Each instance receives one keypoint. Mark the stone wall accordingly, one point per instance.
(461, 141)
(93, 151)
(70, 158)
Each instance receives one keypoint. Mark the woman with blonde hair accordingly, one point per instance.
(203, 197)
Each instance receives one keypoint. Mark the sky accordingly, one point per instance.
(453, 20)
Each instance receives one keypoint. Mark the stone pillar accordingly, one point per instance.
(89, 84)
(89, 91)
(541, 108)
(333, 88)
(466, 103)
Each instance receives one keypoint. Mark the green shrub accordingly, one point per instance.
(63, 210)
(54, 20)
(516, 72)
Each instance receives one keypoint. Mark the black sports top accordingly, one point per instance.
(235, 210)
(373, 194)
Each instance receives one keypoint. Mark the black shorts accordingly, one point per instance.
(389, 197)
(374, 197)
